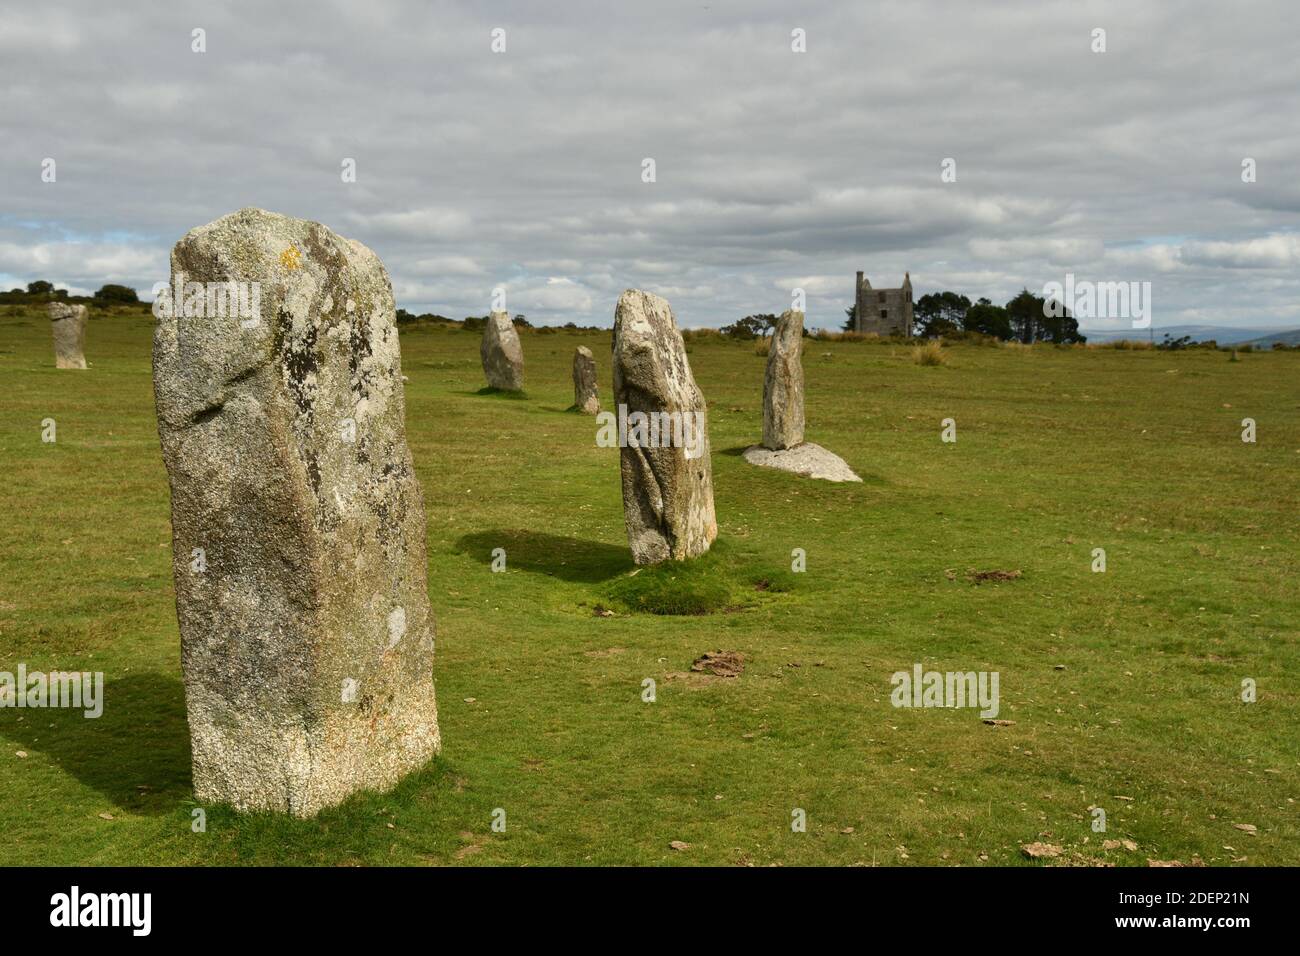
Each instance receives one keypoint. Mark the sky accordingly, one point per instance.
(774, 170)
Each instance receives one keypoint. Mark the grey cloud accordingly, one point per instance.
(523, 169)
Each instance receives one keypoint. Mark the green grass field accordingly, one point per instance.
(1124, 686)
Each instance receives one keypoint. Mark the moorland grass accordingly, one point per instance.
(1124, 687)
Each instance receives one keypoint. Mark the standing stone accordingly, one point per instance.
(783, 385)
(783, 445)
(297, 521)
(585, 397)
(667, 476)
(503, 357)
(69, 324)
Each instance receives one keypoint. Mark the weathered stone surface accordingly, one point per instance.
(585, 397)
(297, 520)
(503, 356)
(667, 475)
(809, 460)
(783, 384)
(69, 324)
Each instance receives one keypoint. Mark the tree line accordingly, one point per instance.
(43, 291)
(1025, 318)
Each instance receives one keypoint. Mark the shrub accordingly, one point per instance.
(750, 327)
(762, 346)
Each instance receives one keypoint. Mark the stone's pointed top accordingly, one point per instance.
(62, 310)
(254, 245)
(639, 301)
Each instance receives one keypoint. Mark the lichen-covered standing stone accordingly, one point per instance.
(503, 357)
(297, 520)
(585, 396)
(668, 482)
(783, 385)
(69, 324)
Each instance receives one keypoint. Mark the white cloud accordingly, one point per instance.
(449, 265)
(1279, 251)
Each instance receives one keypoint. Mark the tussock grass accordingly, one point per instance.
(721, 579)
(826, 336)
(1125, 345)
(930, 353)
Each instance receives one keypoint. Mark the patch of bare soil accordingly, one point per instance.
(720, 663)
(996, 575)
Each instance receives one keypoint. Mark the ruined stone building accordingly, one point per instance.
(884, 311)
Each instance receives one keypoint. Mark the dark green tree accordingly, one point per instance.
(988, 319)
(116, 293)
(1026, 314)
(1033, 319)
(939, 313)
(750, 327)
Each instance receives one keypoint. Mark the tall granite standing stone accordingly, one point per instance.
(69, 324)
(667, 475)
(297, 521)
(503, 357)
(585, 397)
(783, 385)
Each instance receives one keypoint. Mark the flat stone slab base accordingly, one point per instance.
(809, 460)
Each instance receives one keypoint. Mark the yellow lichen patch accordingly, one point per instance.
(291, 258)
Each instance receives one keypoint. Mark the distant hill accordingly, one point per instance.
(1291, 338)
(1224, 335)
